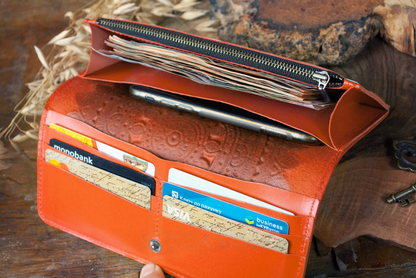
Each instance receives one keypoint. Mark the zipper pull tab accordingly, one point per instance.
(323, 78)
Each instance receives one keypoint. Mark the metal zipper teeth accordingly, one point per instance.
(218, 50)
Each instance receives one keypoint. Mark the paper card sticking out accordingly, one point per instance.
(131, 191)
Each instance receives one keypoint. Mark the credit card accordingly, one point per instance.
(104, 164)
(195, 216)
(129, 190)
(73, 134)
(182, 178)
(141, 164)
(225, 209)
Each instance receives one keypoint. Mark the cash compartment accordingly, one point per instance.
(368, 110)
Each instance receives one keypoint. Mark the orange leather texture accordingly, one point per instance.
(289, 175)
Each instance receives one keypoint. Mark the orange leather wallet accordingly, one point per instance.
(77, 195)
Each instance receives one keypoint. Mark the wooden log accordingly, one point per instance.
(399, 21)
(320, 32)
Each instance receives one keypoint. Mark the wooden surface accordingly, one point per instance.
(31, 248)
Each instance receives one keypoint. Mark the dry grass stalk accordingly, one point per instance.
(69, 55)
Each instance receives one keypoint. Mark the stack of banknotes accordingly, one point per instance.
(216, 73)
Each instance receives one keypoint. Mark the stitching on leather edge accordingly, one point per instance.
(40, 173)
(40, 190)
(159, 200)
(305, 241)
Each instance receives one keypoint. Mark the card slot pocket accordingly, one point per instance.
(226, 254)
(53, 134)
(95, 134)
(112, 184)
(299, 232)
(298, 225)
(296, 243)
(298, 204)
(76, 206)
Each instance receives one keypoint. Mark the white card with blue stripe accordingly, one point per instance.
(182, 178)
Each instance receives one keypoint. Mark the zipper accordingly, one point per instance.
(307, 74)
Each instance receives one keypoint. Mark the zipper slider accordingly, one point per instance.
(322, 77)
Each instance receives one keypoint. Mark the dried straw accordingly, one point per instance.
(70, 54)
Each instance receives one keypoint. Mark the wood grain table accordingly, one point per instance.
(30, 248)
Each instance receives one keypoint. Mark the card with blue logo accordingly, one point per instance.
(225, 209)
